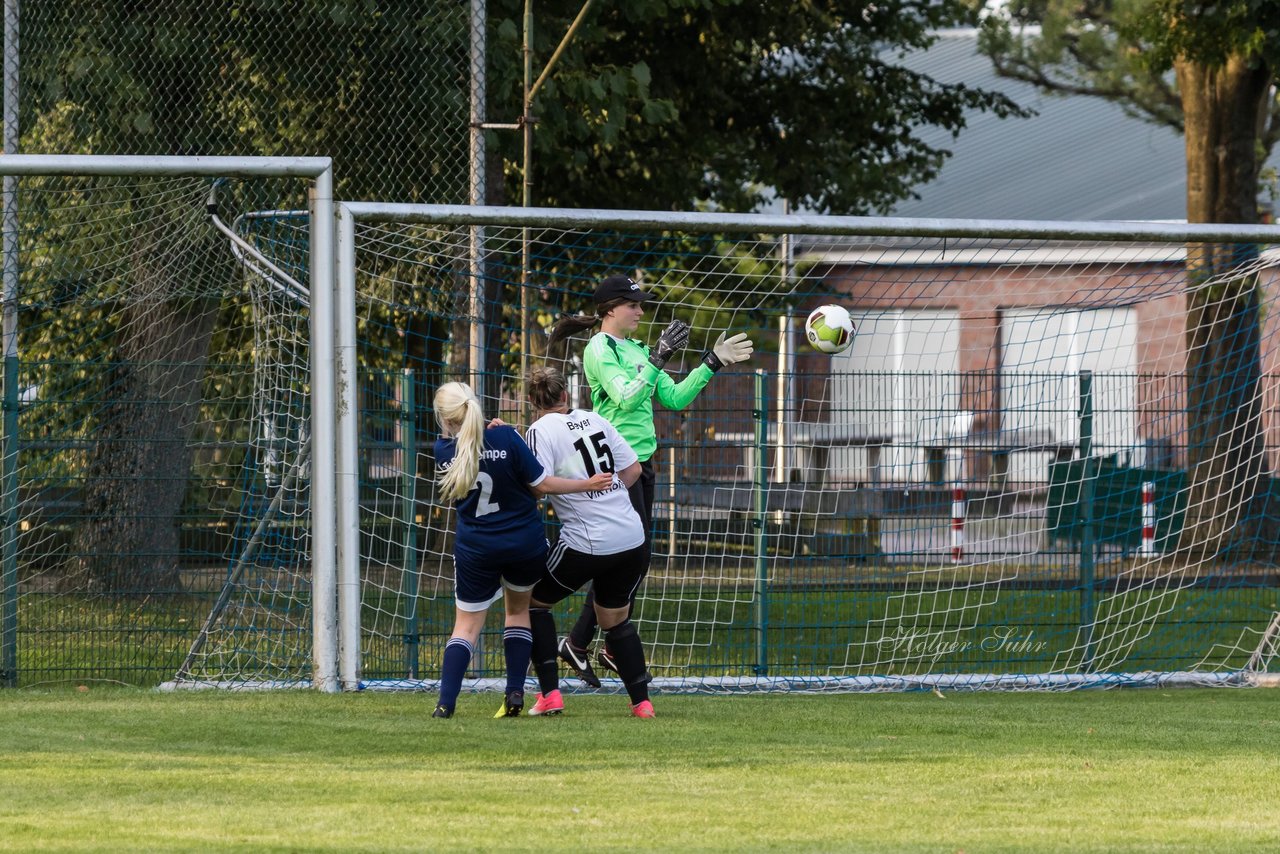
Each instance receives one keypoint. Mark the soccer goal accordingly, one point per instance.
(1047, 459)
(168, 445)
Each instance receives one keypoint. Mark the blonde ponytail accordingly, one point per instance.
(458, 414)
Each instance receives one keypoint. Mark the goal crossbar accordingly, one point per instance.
(851, 226)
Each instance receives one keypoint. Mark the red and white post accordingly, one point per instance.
(1148, 547)
(957, 524)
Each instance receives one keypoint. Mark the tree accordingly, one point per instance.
(659, 103)
(1206, 69)
(136, 479)
(368, 86)
(676, 104)
(672, 103)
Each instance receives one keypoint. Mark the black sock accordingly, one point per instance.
(543, 626)
(628, 652)
(584, 631)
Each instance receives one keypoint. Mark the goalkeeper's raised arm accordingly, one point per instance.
(625, 375)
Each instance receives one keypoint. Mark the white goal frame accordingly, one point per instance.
(350, 214)
(321, 227)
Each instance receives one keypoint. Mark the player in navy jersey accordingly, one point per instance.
(602, 539)
(492, 478)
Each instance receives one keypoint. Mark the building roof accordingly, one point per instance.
(1079, 158)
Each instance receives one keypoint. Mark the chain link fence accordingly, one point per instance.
(382, 88)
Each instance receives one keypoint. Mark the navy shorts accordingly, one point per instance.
(614, 577)
(478, 583)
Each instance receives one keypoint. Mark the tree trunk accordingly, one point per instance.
(1223, 109)
(139, 466)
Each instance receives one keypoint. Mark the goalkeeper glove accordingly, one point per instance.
(728, 351)
(672, 339)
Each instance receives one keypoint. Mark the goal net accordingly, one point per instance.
(1046, 460)
(157, 479)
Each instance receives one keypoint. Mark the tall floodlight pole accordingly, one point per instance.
(527, 122)
(526, 189)
(476, 193)
(525, 126)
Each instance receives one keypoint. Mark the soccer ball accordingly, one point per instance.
(829, 329)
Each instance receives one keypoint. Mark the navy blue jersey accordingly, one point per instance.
(499, 517)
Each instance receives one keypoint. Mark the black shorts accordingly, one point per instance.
(614, 577)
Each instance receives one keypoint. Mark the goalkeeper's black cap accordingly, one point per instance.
(620, 287)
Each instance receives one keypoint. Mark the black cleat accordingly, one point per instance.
(605, 659)
(512, 705)
(442, 712)
(579, 661)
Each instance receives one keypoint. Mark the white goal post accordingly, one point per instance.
(1071, 296)
(319, 231)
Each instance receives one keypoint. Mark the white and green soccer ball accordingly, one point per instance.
(829, 329)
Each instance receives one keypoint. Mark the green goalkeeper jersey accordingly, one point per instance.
(624, 384)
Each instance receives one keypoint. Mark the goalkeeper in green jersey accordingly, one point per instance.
(625, 376)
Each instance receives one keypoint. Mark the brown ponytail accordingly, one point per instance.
(575, 323)
(567, 326)
(545, 387)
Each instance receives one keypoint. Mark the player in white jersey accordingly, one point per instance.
(602, 540)
(602, 522)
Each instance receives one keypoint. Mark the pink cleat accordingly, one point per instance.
(643, 709)
(550, 704)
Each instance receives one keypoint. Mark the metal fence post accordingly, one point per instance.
(477, 195)
(759, 480)
(408, 510)
(1089, 473)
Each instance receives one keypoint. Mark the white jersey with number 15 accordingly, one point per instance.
(577, 446)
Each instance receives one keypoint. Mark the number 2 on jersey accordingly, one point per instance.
(601, 460)
(483, 505)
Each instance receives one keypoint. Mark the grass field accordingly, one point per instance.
(122, 769)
